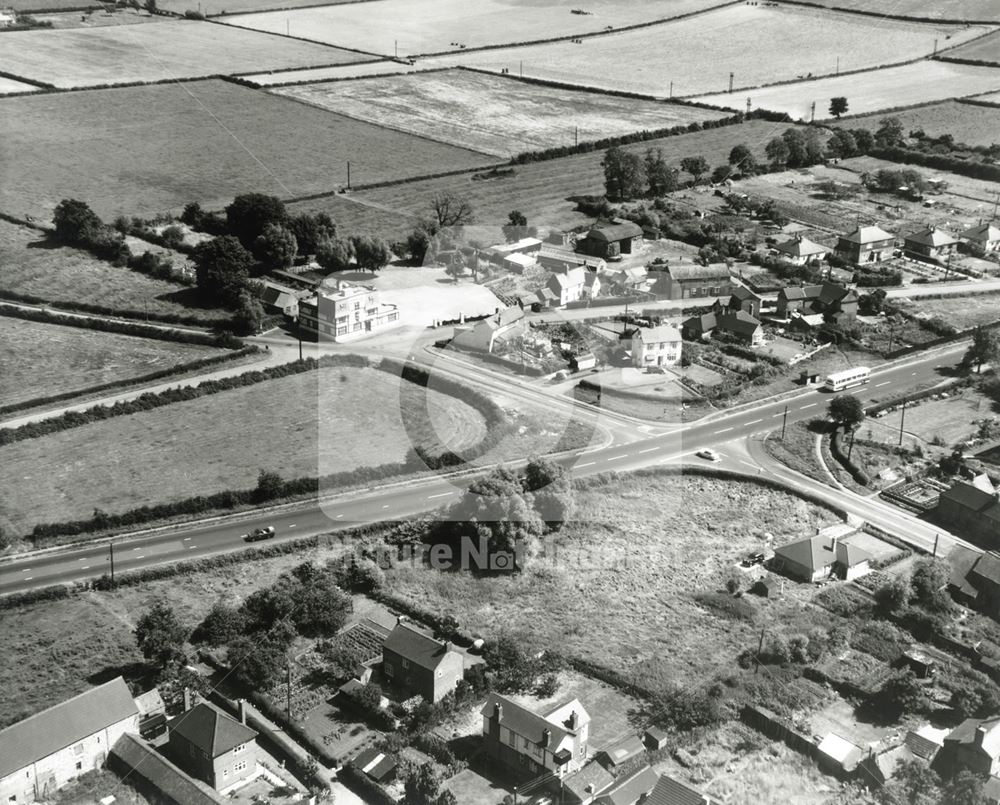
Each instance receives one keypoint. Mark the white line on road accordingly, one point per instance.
(28, 578)
(774, 415)
(27, 569)
(912, 373)
(85, 567)
(588, 464)
(137, 549)
(811, 405)
(339, 516)
(615, 458)
(722, 431)
(187, 539)
(748, 463)
(190, 547)
(441, 495)
(293, 525)
(648, 450)
(755, 422)
(140, 556)
(879, 385)
(82, 559)
(386, 506)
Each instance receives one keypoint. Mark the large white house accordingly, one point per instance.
(656, 346)
(346, 313)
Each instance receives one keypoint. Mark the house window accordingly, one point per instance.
(225, 773)
(241, 766)
(79, 765)
(78, 749)
(342, 330)
(406, 663)
(239, 749)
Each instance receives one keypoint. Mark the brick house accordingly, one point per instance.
(866, 244)
(44, 752)
(156, 778)
(611, 241)
(746, 300)
(212, 747)
(985, 236)
(972, 508)
(930, 244)
(974, 744)
(656, 346)
(345, 313)
(800, 250)
(834, 302)
(530, 744)
(418, 665)
(737, 323)
(694, 282)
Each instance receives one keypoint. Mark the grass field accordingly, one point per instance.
(29, 264)
(9, 85)
(989, 97)
(985, 50)
(950, 419)
(922, 82)
(153, 457)
(339, 71)
(500, 116)
(540, 190)
(641, 547)
(435, 26)
(168, 50)
(50, 5)
(966, 122)
(932, 9)
(224, 140)
(40, 359)
(961, 311)
(213, 7)
(698, 54)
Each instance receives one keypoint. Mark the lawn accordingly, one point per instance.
(540, 190)
(698, 54)
(966, 122)
(170, 50)
(985, 50)
(922, 82)
(934, 9)
(298, 425)
(948, 421)
(43, 359)
(500, 116)
(962, 311)
(641, 546)
(224, 140)
(435, 26)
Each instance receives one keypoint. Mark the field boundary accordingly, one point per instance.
(33, 82)
(862, 12)
(969, 62)
(277, 8)
(241, 78)
(973, 100)
(833, 121)
(214, 20)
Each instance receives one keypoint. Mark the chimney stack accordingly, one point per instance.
(546, 736)
(498, 712)
(187, 699)
(573, 720)
(980, 735)
(242, 704)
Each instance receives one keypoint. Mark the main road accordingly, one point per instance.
(628, 444)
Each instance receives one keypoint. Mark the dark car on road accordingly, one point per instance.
(259, 533)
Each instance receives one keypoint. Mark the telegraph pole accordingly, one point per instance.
(671, 89)
(111, 551)
(902, 419)
(300, 348)
(288, 688)
(348, 174)
(784, 421)
(731, 81)
(838, 65)
(812, 112)
(748, 106)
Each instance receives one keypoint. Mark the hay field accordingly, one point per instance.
(540, 190)
(985, 50)
(922, 82)
(435, 26)
(9, 85)
(698, 54)
(338, 71)
(497, 115)
(972, 10)
(212, 8)
(297, 426)
(155, 52)
(40, 359)
(203, 141)
(966, 122)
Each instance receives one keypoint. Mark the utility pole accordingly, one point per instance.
(671, 89)
(784, 421)
(748, 106)
(521, 68)
(935, 47)
(995, 205)
(348, 174)
(936, 536)
(812, 112)
(760, 648)
(111, 551)
(395, 48)
(850, 447)
(902, 419)
(515, 795)
(300, 348)
(731, 81)
(838, 65)
(288, 26)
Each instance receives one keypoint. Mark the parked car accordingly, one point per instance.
(259, 533)
(708, 455)
(753, 559)
(655, 370)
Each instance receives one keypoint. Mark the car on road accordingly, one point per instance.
(259, 533)
(708, 455)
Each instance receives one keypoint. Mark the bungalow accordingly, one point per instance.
(419, 665)
(694, 281)
(656, 346)
(214, 748)
(613, 756)
(866, 244)
(611, 241)
(973, 508)
(985, 236)
(746, 300)
(630, 789)
(42, 753)
(817, 557)
(482, 336)
(569, 286)
(801, 250)
(834, 302)
(975, 745)
(738, 323)
(930, 244)
(671, 791)
(583, 786)
(531, 744)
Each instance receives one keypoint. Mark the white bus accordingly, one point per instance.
(847, 378)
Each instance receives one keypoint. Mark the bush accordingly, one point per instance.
(728, 606)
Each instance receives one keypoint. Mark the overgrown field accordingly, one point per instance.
(961, 311)
(540, 190)
(223, 140)
(945, 422)
(698, 54)
(434, 26)
(44, 359)
(986, 50)
(929, 9)
(500, 116)
(168, 50)
(908, 84)
(966, 122)
(334, 420)
(641, 548)
(31, 264)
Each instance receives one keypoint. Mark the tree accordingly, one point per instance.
(697, 166)
(551, 491)
(686, 709)
(965, 788)
(276, 246)
(900, 694)
(192, 214)
(721, 173)
(334, 254)
(450, 209)
(6, 540)
(913, 783)
(893, 594)
(418, 243)
(871, 304)
(889, 133)
(985, 348)
(257, 663)
(929, 578)
(973, 694)
(777, 152)
(456, 266)
(842, 144)
(270, 485)
(847, 410)
(160, 635)
(516, 224)
(370, 253)
(624, 176)
(322, 606)
(815, 147)
(249, 214)
(311, 229)
(222, 624)
(864, 139)
(513, 670)
(249, 316)
(743, 160)
(796, 142)
(421, 785)
(75, 223)
(342, 659)
(838, 106)
(660, 177)
(222, 268)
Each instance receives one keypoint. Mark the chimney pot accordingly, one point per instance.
(980, 735)
(497, 711)
(573, 720)
(187, 699)
(243, 711)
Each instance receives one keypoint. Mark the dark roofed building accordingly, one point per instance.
(930, 244)
(800, 250)
(631, 789)
(670, 791)
(155, 777)
(418, 665)
(583, 786)
(212, 746)
(746, 300)
(834, 302)
(376, 764)
(986, 236)
(975, 745)
(610, 241)
(613, 756)
(866, 244)
(738, 323)
(972, 508)
(694, 281)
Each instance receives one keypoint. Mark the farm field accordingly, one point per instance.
(98, 19)
(922, 82)
(338, 71)
(435, 26)
(985, 50)
(500, 116)
(214, 7)
(972, 10)
(153, 457)
(9, 85)
(540, 190)
(172, 49)
(968, 123)
(50, 5)
(697, 54)
(990, 97)
(45, 359)
(29, 264)
(642, 545)
(225, 140)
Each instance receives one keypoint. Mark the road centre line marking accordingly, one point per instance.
(588, 464)
(811, 405)
(339, 516)
(749, 464)
(187, 539)
(774, 415)
(85, 567)
(615, 458)
(28, 578)
(754, 422)
(386, 506)
(292, 525)
(26, 570)
(648, 450)
(879, 385)
(722, 431)
(441, 495)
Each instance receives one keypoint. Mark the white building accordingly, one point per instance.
(568, 286)
(347, 313)
(656, 346)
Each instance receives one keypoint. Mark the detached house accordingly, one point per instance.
(931, 244)
(670, 791)
(346, 313)
(656, 346)
(972, 507)
(985, 236)
(834, 302)
(418, 665)
(866, 244)
(568, 286)
(800, 250)
(212, 747)
(531, 744)
(738, 323)
(817, 557)
(746, 300)
(975, 745)
(482, 336)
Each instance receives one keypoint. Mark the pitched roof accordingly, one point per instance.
(983, 232)
(867, 234)
(931, 236)
(375, 763)
(522, 721)
(573, 277)
(669, 791)
(623, 750)
(839, 749)
(925, 742)
(592, 779)
(812, 552)
(523, 260)
(737, 321)
(693, 272)
(211, 730)
(851, 554)
(628, 790)
(64, 724)
(965, 733)
(986, 568)
(662, 332)
(620, 230)
(416, 646)
(150, 702)
(148, 764)
(830, 292)
(969, 495)
(962, 559)
(801, 247)
(743, 294)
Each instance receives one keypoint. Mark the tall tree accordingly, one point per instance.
(985, 348)
(75, 223)
(276, 246)
(777, 152)
(838, 106)
(913, 783)
(249, 316)
(370, 253)
(929, 578)
(847, 410)
(697, 166)
(842, 144)
(514, 228)
(965, 788)
(797, 150)
(334, 254)
(160, 635)
(743, 160)
(450, 209)
(623, 174)
(889, 133)
(864, 140)
(222, 268)
(660, 177)
(223, 623)
(248, 214)
(310, 229)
